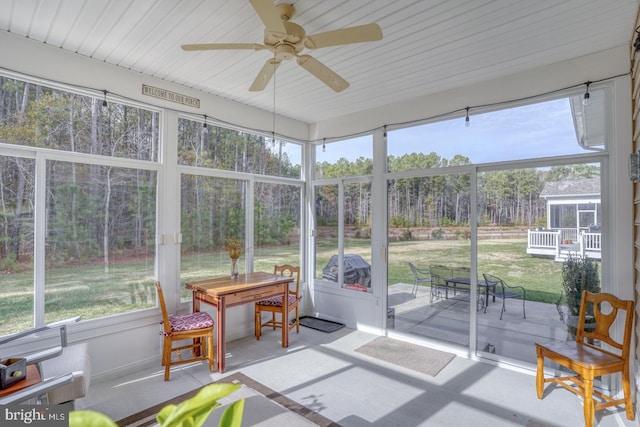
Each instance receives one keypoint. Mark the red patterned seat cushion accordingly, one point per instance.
(189, 322)
(277, 301)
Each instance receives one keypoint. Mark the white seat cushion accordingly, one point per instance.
(74, 358)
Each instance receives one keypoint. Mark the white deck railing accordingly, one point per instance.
(543, 239)
(591, 241)
(559, 243)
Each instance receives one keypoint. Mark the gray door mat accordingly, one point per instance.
(320, 324)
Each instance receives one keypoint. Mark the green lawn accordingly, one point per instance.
(505, 258)
(92, 292)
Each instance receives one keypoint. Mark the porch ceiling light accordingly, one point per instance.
(585, 100)
(205, 129)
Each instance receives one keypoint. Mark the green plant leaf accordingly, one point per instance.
(579, 274)
(193, 412)
(87, 418)
(232, 416)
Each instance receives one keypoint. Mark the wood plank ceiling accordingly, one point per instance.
(428, 45)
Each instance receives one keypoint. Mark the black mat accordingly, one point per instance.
(320, 324)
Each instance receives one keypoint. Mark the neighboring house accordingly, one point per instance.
(573, 220)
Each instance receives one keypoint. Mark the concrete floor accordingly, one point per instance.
(447, 320)
(323, 372)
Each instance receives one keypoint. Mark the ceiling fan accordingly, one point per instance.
(287, 40)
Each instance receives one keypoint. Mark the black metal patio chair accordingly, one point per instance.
(499, 288)
(420, 277)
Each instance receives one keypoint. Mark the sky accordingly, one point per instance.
(536, 130)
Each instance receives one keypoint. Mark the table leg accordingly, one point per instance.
(285, 316)
(195, 306)
(222, 340)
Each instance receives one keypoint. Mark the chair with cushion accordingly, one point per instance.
(196, 327)
(593, 353)
(499, 288)
(273, 305)
(419, 277)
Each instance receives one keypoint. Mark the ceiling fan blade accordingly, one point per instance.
(322, 72)
(269, 15)
(266, 73)
(220, 46)
(358, 34)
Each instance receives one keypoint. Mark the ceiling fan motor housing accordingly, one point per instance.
(286, 46)
(285, 51)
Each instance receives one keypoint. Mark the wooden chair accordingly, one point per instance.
(587, 360)
(196, 327)
(273, 305)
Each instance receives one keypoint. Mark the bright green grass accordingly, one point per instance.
(91, 292)
(541, 277)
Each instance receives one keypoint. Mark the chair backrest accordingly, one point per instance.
(492, 281)
(606, 308)
(163, 308)
(290, 271)
(414, 271)
(439, 273)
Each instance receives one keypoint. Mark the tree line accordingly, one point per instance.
(97, 210)
(505, 198)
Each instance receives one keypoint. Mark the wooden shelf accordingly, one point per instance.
(33, 377)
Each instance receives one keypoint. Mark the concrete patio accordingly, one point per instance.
(447, 319)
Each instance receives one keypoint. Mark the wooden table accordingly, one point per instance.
(247, 288)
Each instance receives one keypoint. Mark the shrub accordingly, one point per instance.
(579, 274)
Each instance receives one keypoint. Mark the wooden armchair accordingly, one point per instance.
(273, 305)
(588, 360)
(196, 327)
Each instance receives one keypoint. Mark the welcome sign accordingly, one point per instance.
(167, 95)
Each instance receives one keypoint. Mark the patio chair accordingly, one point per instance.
(588, 359)
(419, 277)
(439, 274)
(55, 375)
(196, 327)
(273, 305)
(499, 288)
